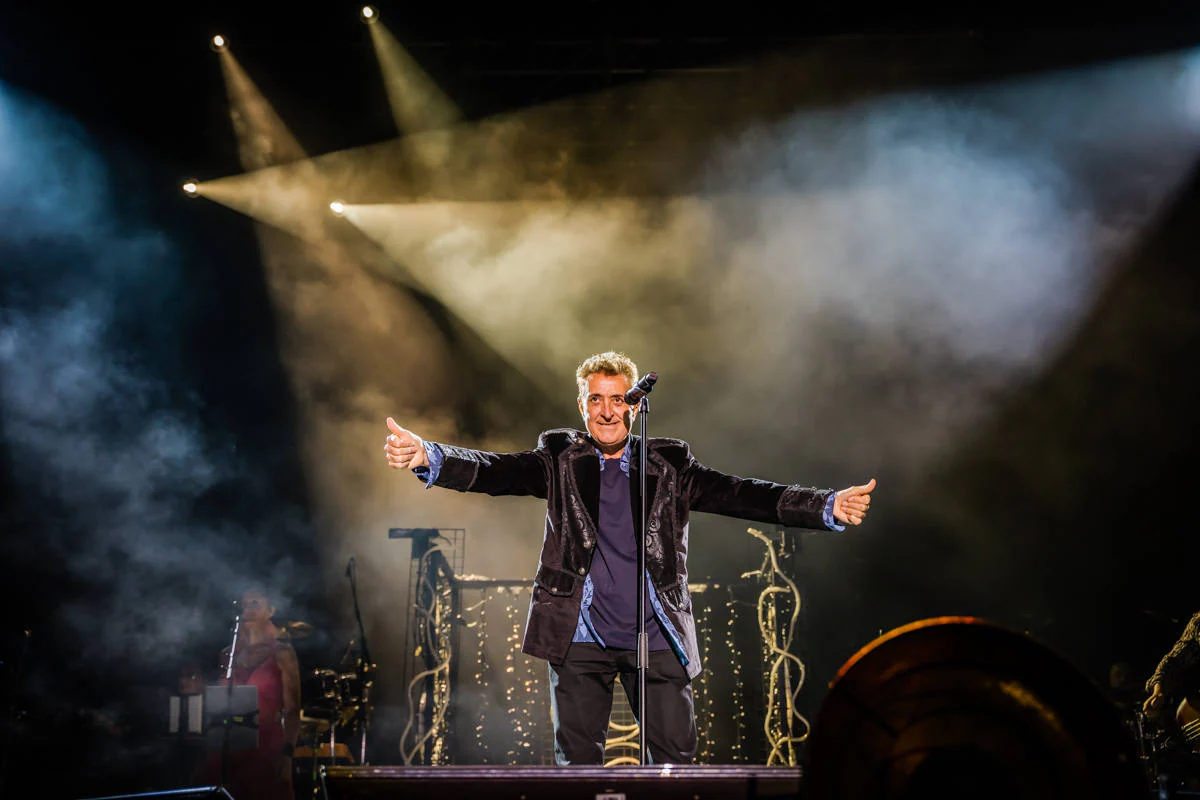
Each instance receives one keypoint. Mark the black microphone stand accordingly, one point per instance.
(643, 644)
(364, 667)
(237, 627)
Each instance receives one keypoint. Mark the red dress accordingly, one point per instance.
(255, 774)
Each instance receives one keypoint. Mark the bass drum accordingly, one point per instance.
(956, 707)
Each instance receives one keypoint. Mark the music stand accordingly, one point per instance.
(185, 714)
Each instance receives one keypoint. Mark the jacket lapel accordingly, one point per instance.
(586, 467)
(635, 486)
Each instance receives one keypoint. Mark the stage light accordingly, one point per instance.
(219, 42)
(369, 14)
(337, 207)
(191, 188)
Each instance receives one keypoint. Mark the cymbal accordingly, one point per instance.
(294, 630)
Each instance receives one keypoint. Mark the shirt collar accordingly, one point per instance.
(626, 454)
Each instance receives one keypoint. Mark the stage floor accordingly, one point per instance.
(667, 782)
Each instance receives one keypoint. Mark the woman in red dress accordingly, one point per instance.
(262, 660)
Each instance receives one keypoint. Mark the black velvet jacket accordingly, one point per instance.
(565, 470)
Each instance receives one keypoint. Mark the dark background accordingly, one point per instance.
(147, 93)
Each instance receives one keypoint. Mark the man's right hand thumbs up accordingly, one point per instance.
(404, 449)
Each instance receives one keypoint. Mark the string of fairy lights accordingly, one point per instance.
(706, 715)
(522, 691)
(506, 701)
(737, 753)
(475, 620)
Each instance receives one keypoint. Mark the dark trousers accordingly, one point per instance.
(581, 693)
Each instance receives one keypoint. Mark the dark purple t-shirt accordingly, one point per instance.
(613, 612)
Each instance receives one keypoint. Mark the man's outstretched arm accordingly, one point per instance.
(467, 470)
(764, 501)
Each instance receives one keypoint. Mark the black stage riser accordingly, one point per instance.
(563, 783)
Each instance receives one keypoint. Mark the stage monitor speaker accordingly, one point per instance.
(664, 782)
(189, 793)
(956, 707)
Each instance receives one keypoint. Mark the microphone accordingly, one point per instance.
(643, 388)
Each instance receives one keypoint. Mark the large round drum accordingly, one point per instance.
(956, 707)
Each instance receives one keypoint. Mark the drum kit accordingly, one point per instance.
(1149, 740)
(1168, 749)
(334, 714)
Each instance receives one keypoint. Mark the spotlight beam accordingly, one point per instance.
(417, 103)
(264, 139)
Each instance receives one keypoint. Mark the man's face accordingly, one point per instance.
(607, 415)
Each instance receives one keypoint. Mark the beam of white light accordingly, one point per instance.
(263, 138)
(289, 198)
(295, 196)
(288, 191)
(342, 330)
(417, 103)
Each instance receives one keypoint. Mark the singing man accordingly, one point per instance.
(583, 612)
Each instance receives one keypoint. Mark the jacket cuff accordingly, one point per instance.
(434, 457)
(827, 514)
(801, 507)
(459, 468)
